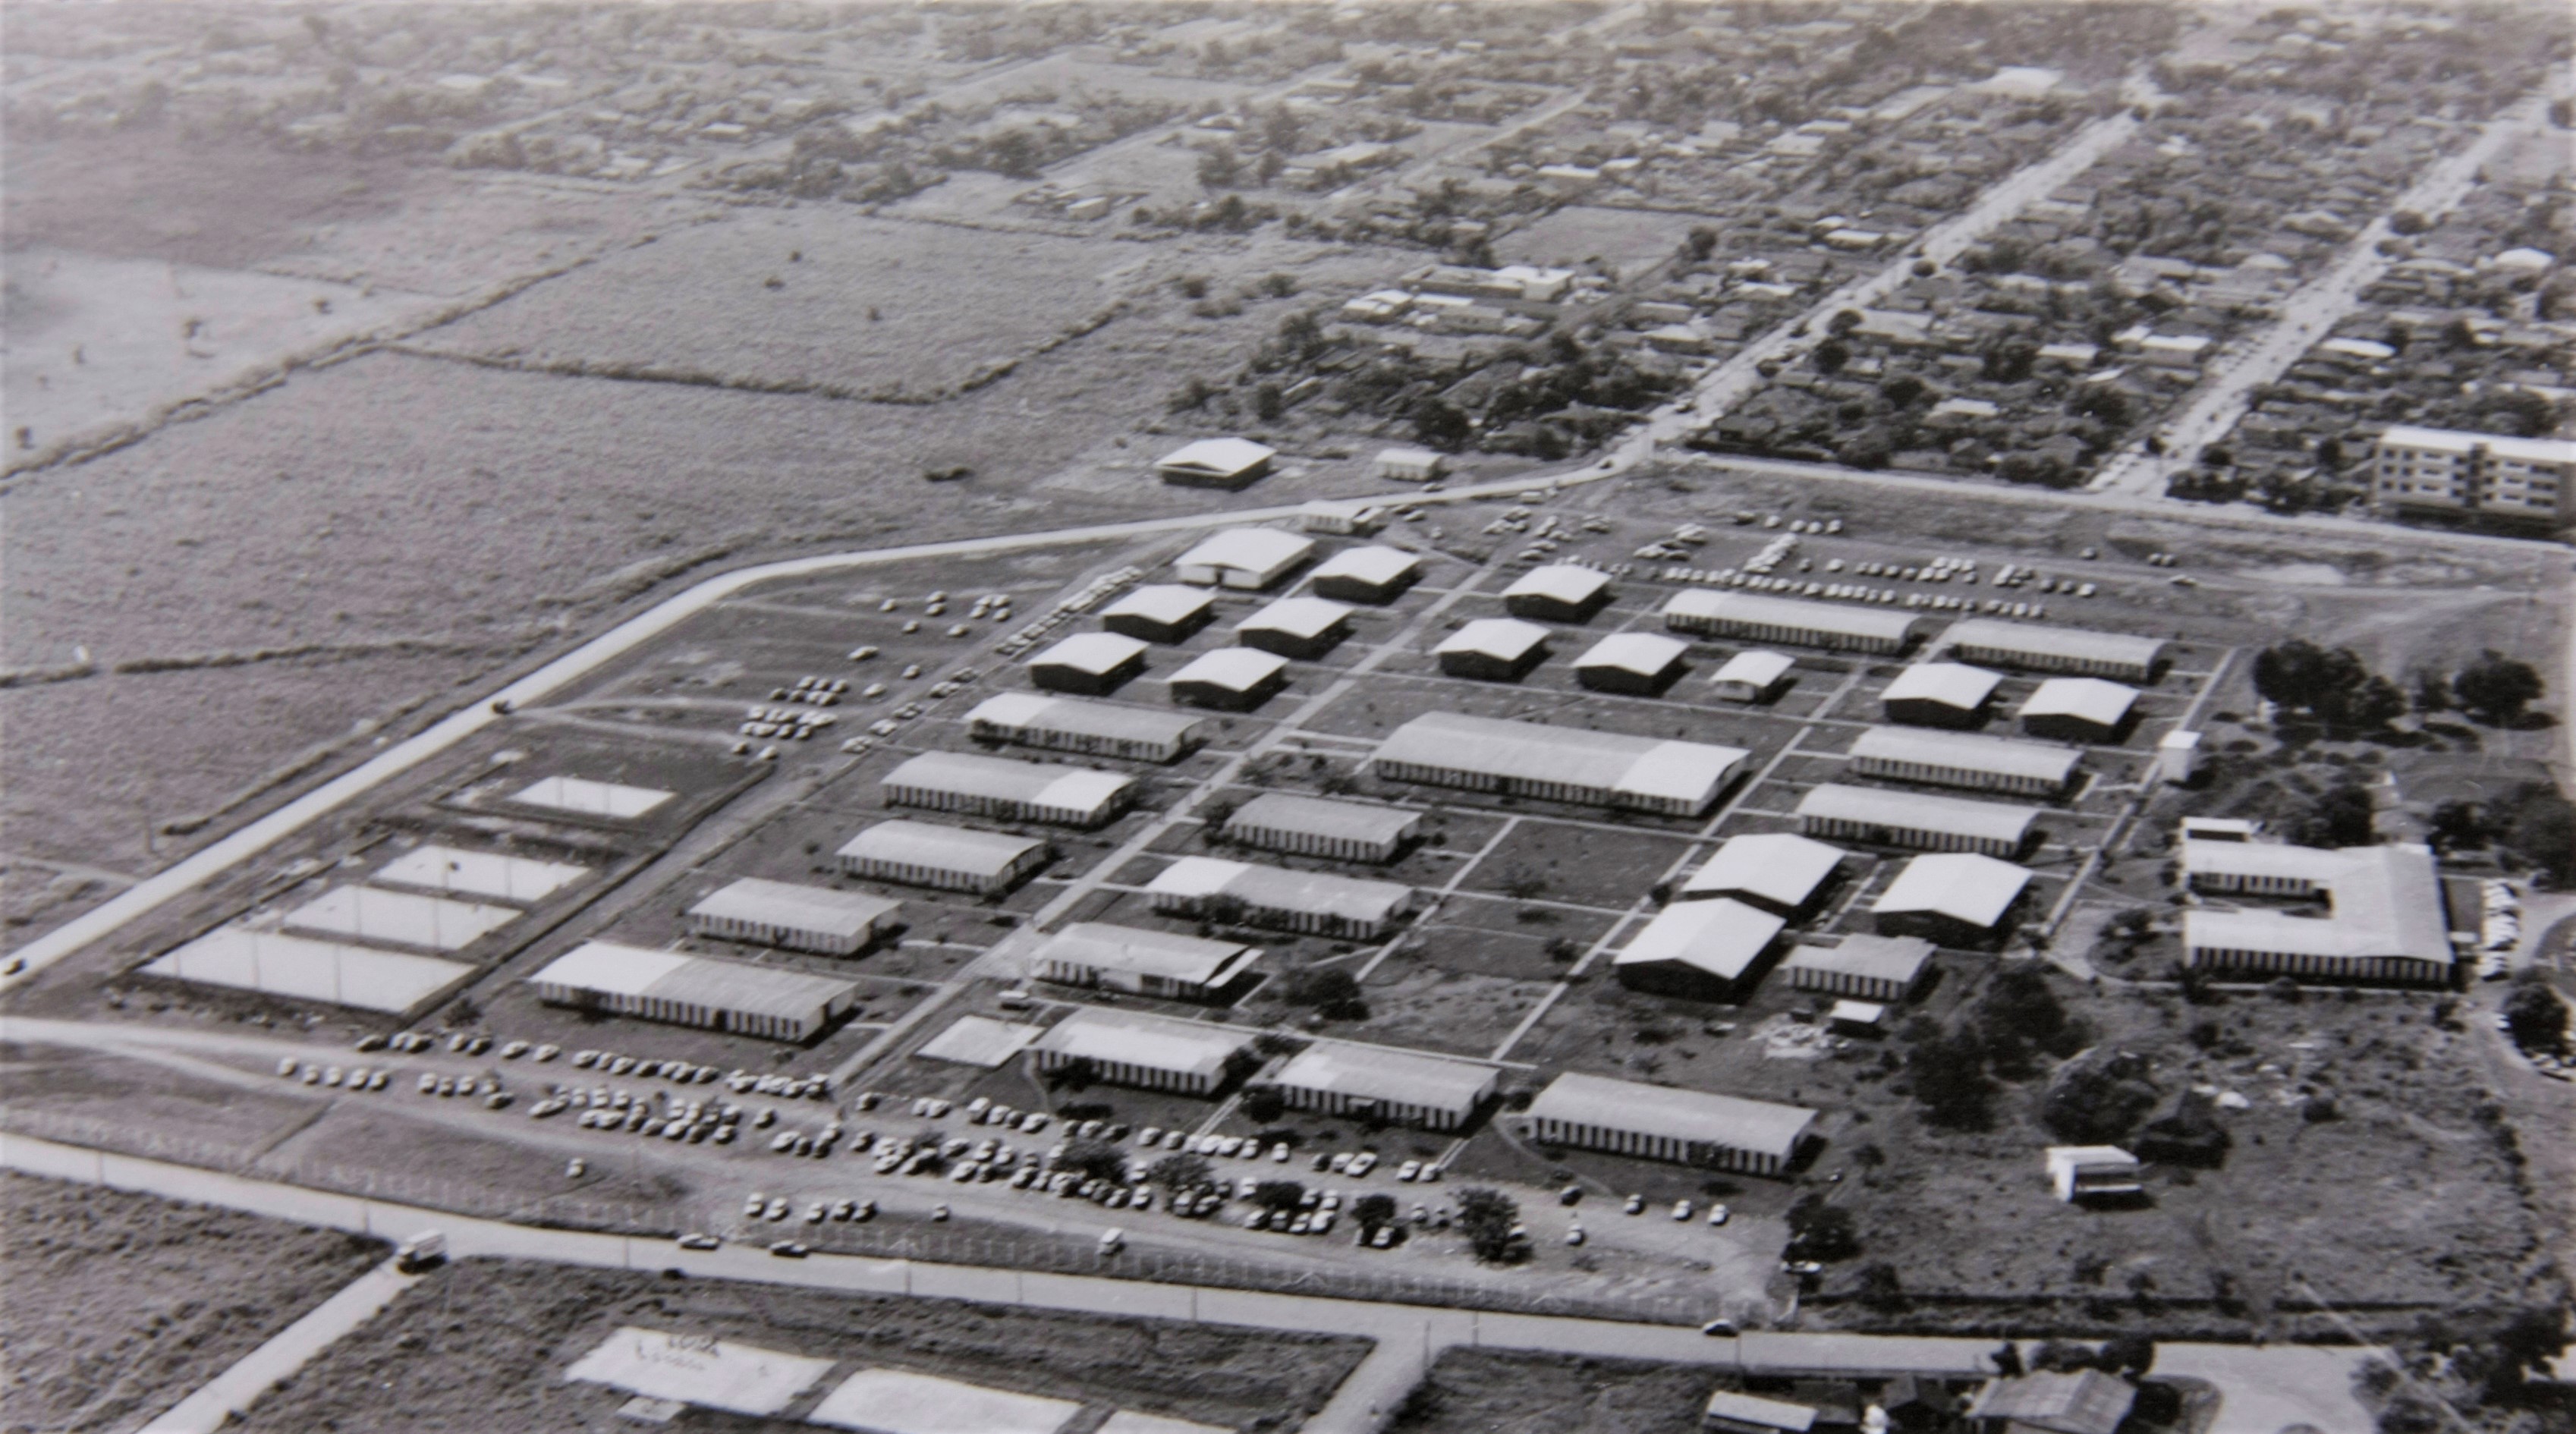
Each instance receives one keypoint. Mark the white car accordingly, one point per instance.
(1409, 1171)
(1681, 1209)
(1364, 1162)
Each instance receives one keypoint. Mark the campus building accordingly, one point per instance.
(1306, 627)
(1955, 898)
(1561, 764)
(1228, 463)
(2382, 922)
(1398, 1086)
(797, 918)
(1090, 729)
(2080, 709)
(1163, 612)
(1319, 826)
(2033, 647)
(2444, 472)
(1132, 1048)
(1752, 675)
(686, 990)
(1092, 663)
(1493, 649)
(1965, 759)
(1886, 969)
(1008, 790)
(1687, 1127)
(1230, 679)
(1311, 902)
(1699, 950)
(1755, 617)
(1372, 575)
(1640, 663)
(1248, 558)
(1779, 872)
(1564, 592)
(1879, 817)
(947, 858)
(1939, 694)
(1141, 962)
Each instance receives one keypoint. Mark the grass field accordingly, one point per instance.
(118, 1305)
(483, 1345)
(1479, 1391)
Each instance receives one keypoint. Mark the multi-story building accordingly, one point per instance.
(2440, 470)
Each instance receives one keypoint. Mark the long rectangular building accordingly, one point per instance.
(1965, 759)
(799, 918)
(1009, 790)
(1687, 1127)
(690, 990)
(1316, 903)
(1135, 1049)
(1564, 764)
(1754, 617)
(2037, 648)
(1142, 962)
(1914, 819)
(1406, 1087)
(1094, 729)
(1867, 968)
(1320, 826)
(947, 858)
(2384, 922)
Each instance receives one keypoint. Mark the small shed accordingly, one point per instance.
(2084, 1172)
(1410, 465)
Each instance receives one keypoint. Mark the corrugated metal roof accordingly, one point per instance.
(1780, 867)
(1320, 816)
(1961, 885)
(1386, 1074)
(2031, 639)
(1257, 550)
(1969, 751)
(800, 908)
(1759, 1126)
(1951, 684)
(1533, 751)
(1170, 604)
(1091, 652)
(1722, 937)
(958, 849)
(1646, 654)
(1134, 1038)
(736, 986)
(1236, 669)
(1707, 604)
(1372, 564)
(1505, 639)
(1302, 617)
(1049, 784)
(1918, 811)
(1560, 582)
(1076, 717)
(2084, 1402)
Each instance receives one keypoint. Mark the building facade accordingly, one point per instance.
(2439, 471)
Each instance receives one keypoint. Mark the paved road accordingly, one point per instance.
(263, 1369)
(2264, 1388)
(2306, 316)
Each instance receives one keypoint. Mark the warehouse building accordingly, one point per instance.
(1163, 612)
(1563, 592)
(1341, 515)
(1965, 759)
(489, 876)
(1754, 617)
(2056, 649)
(1318, 826)
(1371, 575)
(1132, 1048)
(2080, 709)
(1699, 950)
(1867, 968)
(1879, 817)
(1092, 663)
(1753, 676)
(797, 918)
(1009, 790)
(1228, 463)
(1493, 649)
(1305, 627)
(1640, 663)
(1953, 898)
(1687, 1127)
(1230, 679)
(1939, 694)
(686, 990)
(1779, 872)
(947, 858)
(399, 918)
(1093, 729)
(1400, 1087)
(1141, 962)
(1558, 764)
(1248, 558)
(1311, 902)
(299, 968)
(2384, 920)
(598, 801)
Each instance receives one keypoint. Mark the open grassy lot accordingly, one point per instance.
(483, 1344)
(1479, 1391)
(120, 1304)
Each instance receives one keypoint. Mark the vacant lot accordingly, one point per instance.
(1481, 1391)
(119, 1304)
(483, 1345)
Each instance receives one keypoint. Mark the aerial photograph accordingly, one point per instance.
(1246, 716)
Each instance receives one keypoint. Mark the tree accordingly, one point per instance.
(1489, 1217)
(1902, 391)
(2097, 1099)
(1264, 1105)
(2303, 677)
(2342, 817)
(1219, 168)
(2537, 825)
(2534, 1014)
(1843, 322)
(2061, 1356)
(1948, 1072)
(1326, 986)
(1180, 1171)
(1268, 403)
(1879, 1287)
(2432, 693)
(1074, 1075)
(1279, 1194)
(2457, 825)
(1373, 1210)
(1831, 355)
(2495, 689)
(1095, 1160)
(1442, 426)
(2019, 1009)
(1820, 1231)
(2128, 1354)
(2408, 222)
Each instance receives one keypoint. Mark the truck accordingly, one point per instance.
(424, 1251)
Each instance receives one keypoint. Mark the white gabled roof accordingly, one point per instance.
(799, 908)
(1961, 885)
(1237, 669)
(1781, 867)
(1722, 937)
(1561, 582)
(1280, 889)
(1918, 811)
(1877, 958)
(1092, 652)
(1373, 564)
(1168, 603)
(1969, 751)
(1254, 550)
(1050, 784)
(1506, 639)
(1841, 618)
(1134, 1038)
(1167, 954)
(1301, 617)
(1218, 455)
(1384, 1073)
(1758, 1126)
(1647, 654)
(1047, 712)
(1536, 751)
(1951, 684)
(1324, 817)
(2087, 699)
(958, 849)
(2033, 640)
(1755, 668)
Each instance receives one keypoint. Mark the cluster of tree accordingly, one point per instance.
(2097, 1099)
(2333, 686)
(2473, 1372)
(2534, 1012)
(1094, 1160)
(2495, 689)
(1954, 1071)
(2531, 822)
(1820, 1231)
(1492, 1224)
(1331, 990)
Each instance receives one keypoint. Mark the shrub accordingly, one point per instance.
(1488, 1217)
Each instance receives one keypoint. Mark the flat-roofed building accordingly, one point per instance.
(1306, 627)
(1092, 663)
(1142, 962)
(1779, 872)
(1699, 950)
(1248, 558)
(2035, 648)
(1880, 817)
(2080, 709)
(1869, 968)
(1228, 463)
(1561, 592)
(599, 801)
(1008, 789)
(1939, 694)
(1633, 662)
(1755, 617)
(1319, 826)
(482, 875)
(1093, 729)
(2086, 1401)
(946, 858)
(1162, 612)
(1956, 898)
(1344, 1078)
(1231, 679)
(1493, 649)
(1371, 574)
(1410, 465)
(1559, 764)
(1132, 1048)
(2384, 922)
(1687, 1127)
(1752, 676)
(798, 918)
(685, 990)
(1729, 1412)
(2086, 1172)
(299, 968)
(1965, 759)
(399, 918)
(2446, 471)
(1316, 903)
(1341, 515)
